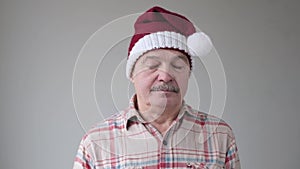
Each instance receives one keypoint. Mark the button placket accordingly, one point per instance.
(165, 142)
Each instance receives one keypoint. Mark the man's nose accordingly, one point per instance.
(165, 75)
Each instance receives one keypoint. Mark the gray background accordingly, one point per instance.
(257, 40)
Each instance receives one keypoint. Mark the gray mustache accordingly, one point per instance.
(165, 87)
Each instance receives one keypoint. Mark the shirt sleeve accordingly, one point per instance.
(232, 160)
(83, 159)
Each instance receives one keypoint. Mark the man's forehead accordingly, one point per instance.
(163, 59)
(162, 54)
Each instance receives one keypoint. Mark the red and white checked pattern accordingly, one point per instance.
(195, 140)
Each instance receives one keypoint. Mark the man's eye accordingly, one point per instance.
(179, 66)
(155, 66)
(151, 64)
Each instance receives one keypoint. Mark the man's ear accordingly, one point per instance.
(131, 79)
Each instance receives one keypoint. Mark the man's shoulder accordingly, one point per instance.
(104, 128)
(203, 119)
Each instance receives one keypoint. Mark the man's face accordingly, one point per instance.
(160, 78)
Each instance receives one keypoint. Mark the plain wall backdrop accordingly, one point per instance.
(258, 42)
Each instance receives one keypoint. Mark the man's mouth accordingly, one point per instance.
(165, 88)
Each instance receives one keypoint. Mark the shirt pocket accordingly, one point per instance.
(202, 165)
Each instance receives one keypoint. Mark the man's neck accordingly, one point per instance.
(163, 124)
(161, 120)
(160, 117)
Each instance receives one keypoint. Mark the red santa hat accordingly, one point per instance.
(160, 28)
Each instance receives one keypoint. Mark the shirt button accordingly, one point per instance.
(202, 165)
(165, 142)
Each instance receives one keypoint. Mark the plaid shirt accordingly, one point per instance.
(194, 140)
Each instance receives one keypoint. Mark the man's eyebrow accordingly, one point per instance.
(184, 58)
(151, 57)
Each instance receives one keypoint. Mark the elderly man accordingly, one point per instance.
(158, 129)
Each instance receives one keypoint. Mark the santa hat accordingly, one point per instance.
(160, 28)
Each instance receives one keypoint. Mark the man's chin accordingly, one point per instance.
(163, 99)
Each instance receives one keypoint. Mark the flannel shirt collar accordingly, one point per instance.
(132, 116)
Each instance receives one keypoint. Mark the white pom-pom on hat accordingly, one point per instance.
(199, 44)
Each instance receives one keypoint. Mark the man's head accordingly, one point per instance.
(160, 78)
(160, 56)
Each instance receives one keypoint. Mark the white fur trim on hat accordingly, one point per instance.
(156, 40)
(196, 45)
